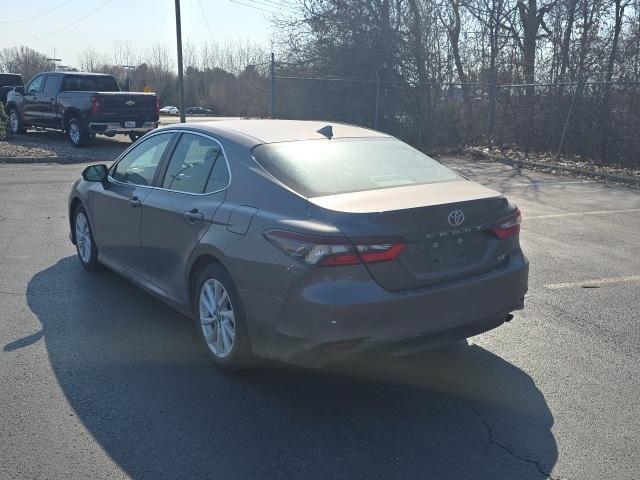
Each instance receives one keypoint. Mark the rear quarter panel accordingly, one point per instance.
(253, 262)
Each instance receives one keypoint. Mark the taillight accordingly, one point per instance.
(508, 227)
(96, 106)
(334, 251)
(158, 105)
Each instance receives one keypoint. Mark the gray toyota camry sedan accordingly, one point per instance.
(302, 241)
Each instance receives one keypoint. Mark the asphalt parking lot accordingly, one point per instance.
(100, 380)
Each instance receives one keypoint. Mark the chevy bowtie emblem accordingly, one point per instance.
(130, 103)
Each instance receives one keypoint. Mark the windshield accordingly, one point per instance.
(90, 83)
(316, 168)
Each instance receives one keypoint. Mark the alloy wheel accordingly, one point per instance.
(14, 121)
(83, 237)
(217, 318)
(74, 132)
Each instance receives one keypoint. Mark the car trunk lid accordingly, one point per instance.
(442, 244)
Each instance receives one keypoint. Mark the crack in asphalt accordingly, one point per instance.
(504, 447)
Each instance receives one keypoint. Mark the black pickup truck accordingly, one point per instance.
(7, 82)
(82, 105)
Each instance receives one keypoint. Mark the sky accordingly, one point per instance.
(66, 27)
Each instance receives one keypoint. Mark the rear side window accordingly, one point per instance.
(51, 84)
(89, 83)
(197, 166)
(316, 168)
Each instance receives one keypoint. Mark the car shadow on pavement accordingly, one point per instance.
(135, 375)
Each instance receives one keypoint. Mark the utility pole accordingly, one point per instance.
(272, 75)
(54, 60)
(180, 71)
(128, 68)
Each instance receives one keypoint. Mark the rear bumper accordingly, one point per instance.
(324, 319)
(119, 128)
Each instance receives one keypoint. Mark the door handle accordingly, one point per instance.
(134, 202)
(194, 215)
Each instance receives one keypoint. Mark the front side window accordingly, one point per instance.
(139, 165)
(196, 166)
(35, 85)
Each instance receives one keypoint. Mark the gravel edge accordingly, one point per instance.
(62, 160)
(545, 167)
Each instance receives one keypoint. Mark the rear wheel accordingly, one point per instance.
(134, 136)
(79, 134)
(15, 123)
(221, 319)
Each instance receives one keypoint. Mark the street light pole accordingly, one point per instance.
(180, 71)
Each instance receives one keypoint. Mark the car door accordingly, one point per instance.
(32, 101)
(50, 117)
(178, 213)
(117, 208)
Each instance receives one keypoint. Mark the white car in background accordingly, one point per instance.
(170, 110)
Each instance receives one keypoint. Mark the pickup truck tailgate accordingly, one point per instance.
(129, 105)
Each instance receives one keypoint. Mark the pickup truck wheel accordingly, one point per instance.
(79, 134)
(134, 136)
(15, 124)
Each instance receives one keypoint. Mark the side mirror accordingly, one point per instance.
(19, 89)
(95, 173)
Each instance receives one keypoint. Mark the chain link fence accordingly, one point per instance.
(599, 120)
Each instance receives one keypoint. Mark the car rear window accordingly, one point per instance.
(316, 168)
(7, 79)
(89, 83)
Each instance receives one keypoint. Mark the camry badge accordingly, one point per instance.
(455, 218)
(130, 103)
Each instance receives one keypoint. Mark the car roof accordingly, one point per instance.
(254, 132)
(77, 73)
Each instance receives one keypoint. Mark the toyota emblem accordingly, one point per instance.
(455, 218)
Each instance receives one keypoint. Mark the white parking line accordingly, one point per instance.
(593, 282)
(577, 214)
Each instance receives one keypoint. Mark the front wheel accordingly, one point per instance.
(85, 244)
(79, 134)
(221, 319)
(15, 123)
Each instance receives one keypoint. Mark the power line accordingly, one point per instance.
(254, 7)
(270, 4)
(204, 16)
(62, 28)
(36, 15)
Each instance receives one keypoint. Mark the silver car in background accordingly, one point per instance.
(302, 241)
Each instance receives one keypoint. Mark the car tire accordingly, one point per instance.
(222, 327)
(85, 243)
(79, 134)
(134, 137)
(15, 122)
